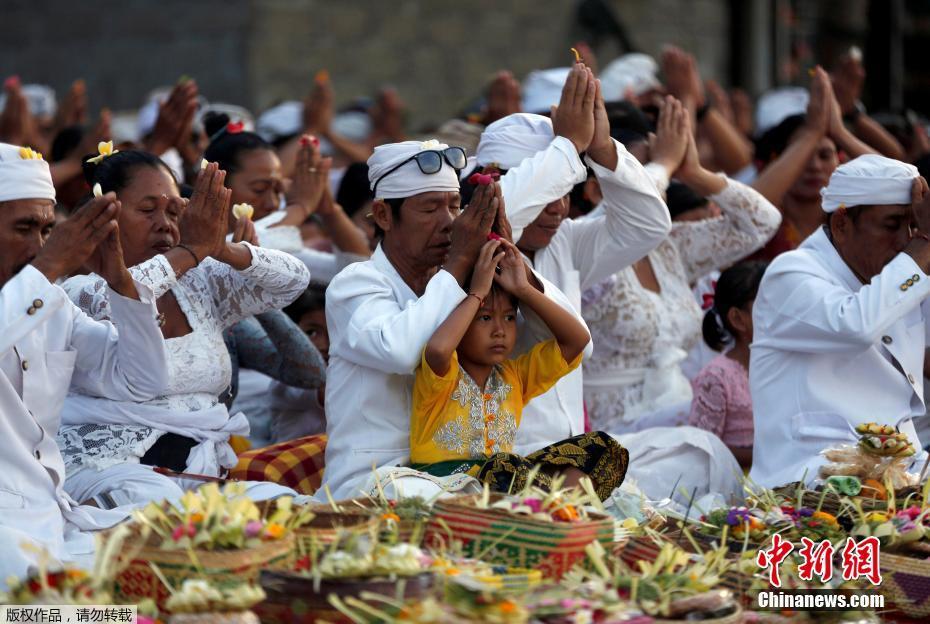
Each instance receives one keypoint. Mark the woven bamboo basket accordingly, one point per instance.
(223, 568)
(513, 540)
(906, 584)
(327, 524)
(734, 618)
(292, 599)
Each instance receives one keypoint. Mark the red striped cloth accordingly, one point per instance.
(297, 463)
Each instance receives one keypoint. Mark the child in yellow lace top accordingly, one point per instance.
(468, 396)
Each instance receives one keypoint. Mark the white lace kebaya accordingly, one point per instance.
(99, 433)
(641, 336)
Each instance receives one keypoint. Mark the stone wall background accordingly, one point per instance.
(437, 53)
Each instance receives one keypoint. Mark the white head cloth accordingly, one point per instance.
(41, 100)
(510, 140)
(635, 72)
(868, 181)
(408, 180)
(543, 88)
(23, 178)
(285, 119)
(777, 105)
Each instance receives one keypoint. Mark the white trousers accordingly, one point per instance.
(138, 485)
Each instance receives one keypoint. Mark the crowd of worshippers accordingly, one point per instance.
(570, 281)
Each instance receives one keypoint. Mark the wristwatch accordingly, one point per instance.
(852, 116)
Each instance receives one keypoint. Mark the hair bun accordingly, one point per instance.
(213, 122)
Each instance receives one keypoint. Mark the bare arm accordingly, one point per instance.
(775, 180)
(571, 335)
(343, 232)
(445, 340)
(731, 151)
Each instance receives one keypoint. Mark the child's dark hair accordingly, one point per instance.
(114, 172)
(311, 300)
(736, 287)
(226, 148)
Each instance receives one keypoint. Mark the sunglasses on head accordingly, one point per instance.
(429, 162)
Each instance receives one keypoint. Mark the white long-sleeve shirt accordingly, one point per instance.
(829, 353)
(46, 345)
(632, 219)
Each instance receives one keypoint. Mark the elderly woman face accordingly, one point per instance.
(257, 181)
(150, 214)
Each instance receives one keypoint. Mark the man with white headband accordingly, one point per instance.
(48, 344)
(839, 323)
(382, 312)
(542, 164)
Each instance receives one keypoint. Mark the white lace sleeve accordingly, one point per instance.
(89, 292)
(273, 281)
(748, 222)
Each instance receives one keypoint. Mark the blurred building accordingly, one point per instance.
(438, 53)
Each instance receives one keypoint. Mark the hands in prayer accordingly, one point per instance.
(204, 223)
(483, 276)
(310, 183)
(512, 276)
(89, 237)
(175, 119)
(573, 118)
(503, 97)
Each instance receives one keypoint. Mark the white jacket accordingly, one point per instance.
(47, 344)
(829, 353)
(631, 220)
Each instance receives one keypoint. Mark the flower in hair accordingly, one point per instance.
(98, 190)
(104, 150)
(27, 153)
(235, 127)
(708, 298)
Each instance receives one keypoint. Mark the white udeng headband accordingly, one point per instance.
(869, 180)
(24, 174)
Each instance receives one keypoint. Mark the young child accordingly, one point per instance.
(722, 403)
(468, 395)
(296, 412)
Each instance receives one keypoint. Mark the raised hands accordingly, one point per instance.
(318, 105)
(670, 142)
(73, 110)
(17, 125)
(482, 278)
(387, 116)
(573, 118)
(503, 97)
(471, 228)
(682, 78)
(602, 149)
(72, 242)
(175, 119)
(107, 260)
(820, 107)
(204, 223)
(310, 182)
(512, 276)
(848, 79)
(920, 204)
